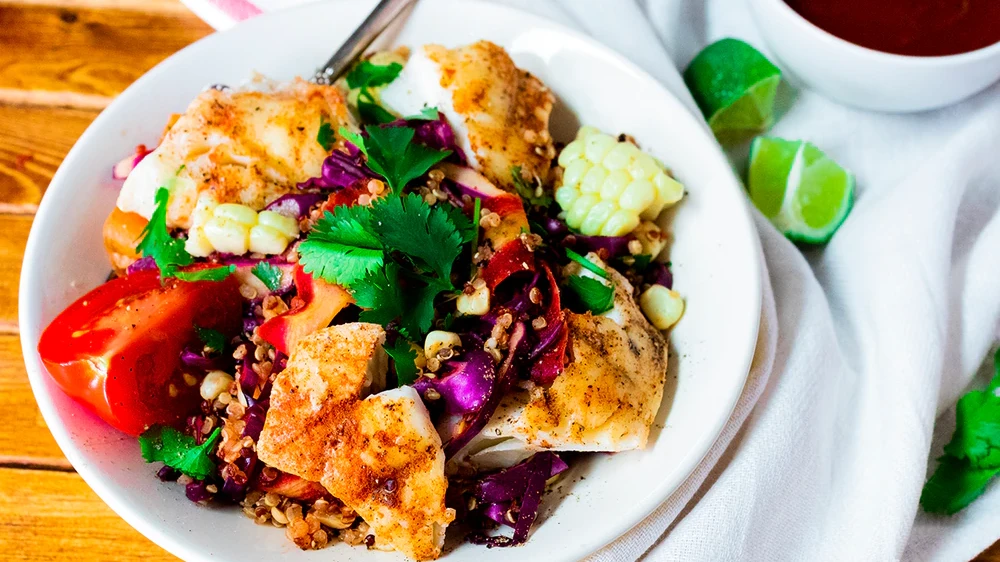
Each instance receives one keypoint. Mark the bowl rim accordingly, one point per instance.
(874, 55)
(165, 537)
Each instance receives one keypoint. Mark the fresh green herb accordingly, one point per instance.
(392, 154)
(325, 135)
(641, 263)
(462, 223)
(594, 295)
(593, 267)
(426, 114)
(207, 274)
(367, 74)
(409, 225)
(376, 251)
(529, 193)
(342, 248)
(448, 321)
(972, 458)
(405, 359)
(168, 252)
(213, 339)
(268, 274)
(179, 451)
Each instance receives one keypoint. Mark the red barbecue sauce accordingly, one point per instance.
(924, 28)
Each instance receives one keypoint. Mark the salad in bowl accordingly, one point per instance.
(382, 310)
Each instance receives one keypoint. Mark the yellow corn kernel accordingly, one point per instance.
(236, 212)
(668, 189)
(197, 243)
(566, 195)
(570, 154)
(662, 306)
(214, 384)
(615, 184)
(620, 156)
(597, 146)
(476, 304)
(227, 235)
(643, 166)
(267, 240)
(620, 223)
(637, 195)
(585, 132)
(203, 211)
(652, 238)
(598, 215)
(285, 225)
(592, 182)
(438, 340)
(575, 171)
(579, 210)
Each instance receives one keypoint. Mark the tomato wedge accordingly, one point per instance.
(117, 349)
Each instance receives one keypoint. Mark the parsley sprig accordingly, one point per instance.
(168, 252)
(376, 251)
(268, 274)
(392, 154)
(366, 75)
(179, 451)
(972, 458)
(592, 294)
(404, 357)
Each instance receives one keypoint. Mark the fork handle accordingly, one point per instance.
(384, 14)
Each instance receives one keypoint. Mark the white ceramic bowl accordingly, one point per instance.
(866, 78)
(715, 259)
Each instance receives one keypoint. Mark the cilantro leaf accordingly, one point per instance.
(591, 293)
(409, 225)
(367, 74)
(977, 430)
(404, 357)
(462, 223)
(207, 274)
(380, 295)
(529, 193)
(325, 135)
(168, 252)
(426, 114)
(213, 339)
(370, 110)
(268, 274)
(176, 450)
(418, 316)
(641, 263)
(593, 267)
(393, 155)
(341, 248)
(953, 486)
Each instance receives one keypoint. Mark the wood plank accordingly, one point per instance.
(33, 142)
(13, 236)
(25, 439)
(168, 6)
(992, 554)
(84, 50)
(46, 515)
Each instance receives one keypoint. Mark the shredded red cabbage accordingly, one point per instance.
(660, 274)
(123, 168)
(518, 488)
(612, 246)
(142, 264)
(196, 360)
(467, 384)
(340, 170)
(295, 205)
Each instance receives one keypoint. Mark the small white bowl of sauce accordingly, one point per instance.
(886, 55)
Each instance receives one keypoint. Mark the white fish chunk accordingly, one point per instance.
(500, 113)
(236, 146)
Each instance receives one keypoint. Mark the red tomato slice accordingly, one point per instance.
(316, 304)
(117, 349)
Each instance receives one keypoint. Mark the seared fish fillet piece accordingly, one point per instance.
(605, 399)
(379, 455)
(236, 146)
(500, 113)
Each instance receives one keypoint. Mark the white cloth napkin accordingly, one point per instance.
(863, 344)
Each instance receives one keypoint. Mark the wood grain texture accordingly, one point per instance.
(24, 439)
(13, 236)
(33, 142)
(46, 515)
(992, 554)
(87, 50)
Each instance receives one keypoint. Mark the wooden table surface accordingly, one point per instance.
(61, 62)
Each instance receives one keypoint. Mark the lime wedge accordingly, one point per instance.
(734, 86)
(804, 194)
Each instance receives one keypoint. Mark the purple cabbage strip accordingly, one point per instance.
(340, 170)
(198, 361)
(522, 483)
(295, 205)
(615, 246)
(254, 418)
(142, 264)
(197, 491)
(660, 274)
(467, 385)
